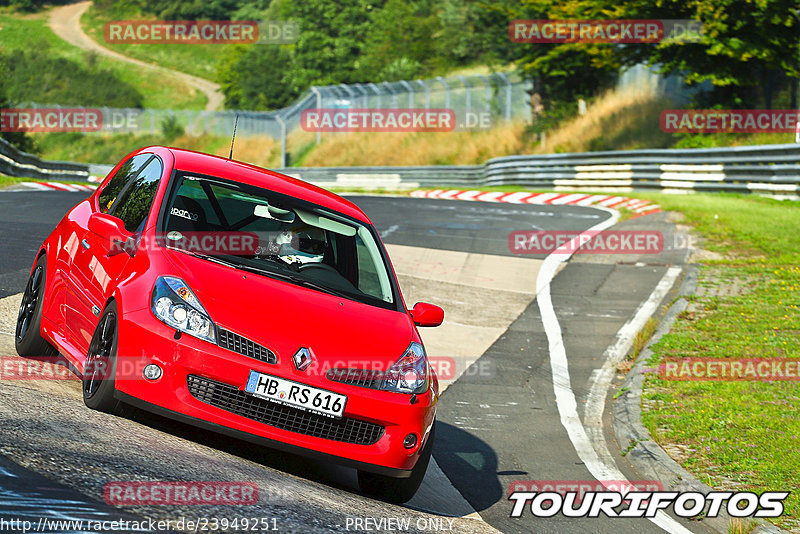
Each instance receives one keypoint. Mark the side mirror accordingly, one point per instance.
(425, 314)
(112, 229)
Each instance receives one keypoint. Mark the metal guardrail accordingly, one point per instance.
(14, 162)
(764, 169)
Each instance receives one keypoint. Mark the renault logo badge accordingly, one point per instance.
(302, 358)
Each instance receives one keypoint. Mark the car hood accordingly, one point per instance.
(285, 317)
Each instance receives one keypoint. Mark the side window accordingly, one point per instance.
(135, 201)
(367, 276)
(108, 196)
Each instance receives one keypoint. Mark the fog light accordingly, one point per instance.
(152, 372)
(410, 442)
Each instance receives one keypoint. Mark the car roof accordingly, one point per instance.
(191, 161)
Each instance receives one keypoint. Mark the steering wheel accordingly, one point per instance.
(307, 266)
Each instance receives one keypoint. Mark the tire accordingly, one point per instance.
(101, 365)
(28, 338)
(398, 490)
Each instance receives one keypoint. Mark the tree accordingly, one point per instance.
(748, 51)
(255, 77)
(401, 42)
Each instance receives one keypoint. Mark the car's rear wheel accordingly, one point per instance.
(397, 490)
(101, 361)
(28, 338)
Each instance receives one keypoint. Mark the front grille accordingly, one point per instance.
(366, 378)
(231, 399)
(228, 340)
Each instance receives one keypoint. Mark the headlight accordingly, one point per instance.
(410, 373)
(176, 305)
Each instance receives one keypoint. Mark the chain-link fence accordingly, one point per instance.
(476, 100)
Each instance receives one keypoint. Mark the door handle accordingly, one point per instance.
(85, 243)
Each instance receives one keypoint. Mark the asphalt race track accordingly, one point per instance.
(498, 420)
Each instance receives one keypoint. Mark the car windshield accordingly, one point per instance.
(268, 233)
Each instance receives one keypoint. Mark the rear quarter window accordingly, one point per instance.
(110, 193)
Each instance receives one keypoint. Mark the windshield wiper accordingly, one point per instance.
(276, 274)
(320, 287)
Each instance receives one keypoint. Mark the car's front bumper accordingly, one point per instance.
(143, 340)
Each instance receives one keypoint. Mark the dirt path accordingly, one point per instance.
(65, 22)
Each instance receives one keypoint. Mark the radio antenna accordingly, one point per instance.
(235, 123)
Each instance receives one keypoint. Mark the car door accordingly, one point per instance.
(98, 264)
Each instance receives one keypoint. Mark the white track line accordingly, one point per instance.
(601, 378)
(565, 397)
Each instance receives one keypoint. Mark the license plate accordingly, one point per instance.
(295, 394)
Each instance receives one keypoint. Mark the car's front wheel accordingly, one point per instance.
(397, 490)
(100, 366)
(28, 338)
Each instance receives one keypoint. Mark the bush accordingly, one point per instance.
(171, 128)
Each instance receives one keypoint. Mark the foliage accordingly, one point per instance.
(36, 75)
(171, 128)
(748, 51)
(30, 5)
(265, 86)
(356, 41)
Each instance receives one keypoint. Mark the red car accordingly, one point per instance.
(244, 302)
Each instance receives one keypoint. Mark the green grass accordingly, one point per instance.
(739, 434)
(7, 181)
(196, 59)
(742, 435)
(97, 148)
(19, 32)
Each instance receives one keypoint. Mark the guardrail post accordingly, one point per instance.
(315, 90)
(283, 140)
(503, 77)
(468, 89)
(410, 93)
(427, 93)
(392, 92)
(489, 96)
(529, 92)
(377, 95)
(362, 95)
(446, 91)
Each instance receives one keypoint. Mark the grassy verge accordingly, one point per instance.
(7, 181)
(26, 32)
(736, 435)
(628, 119)
(415, 148)
(196, 59)
(96, 148)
